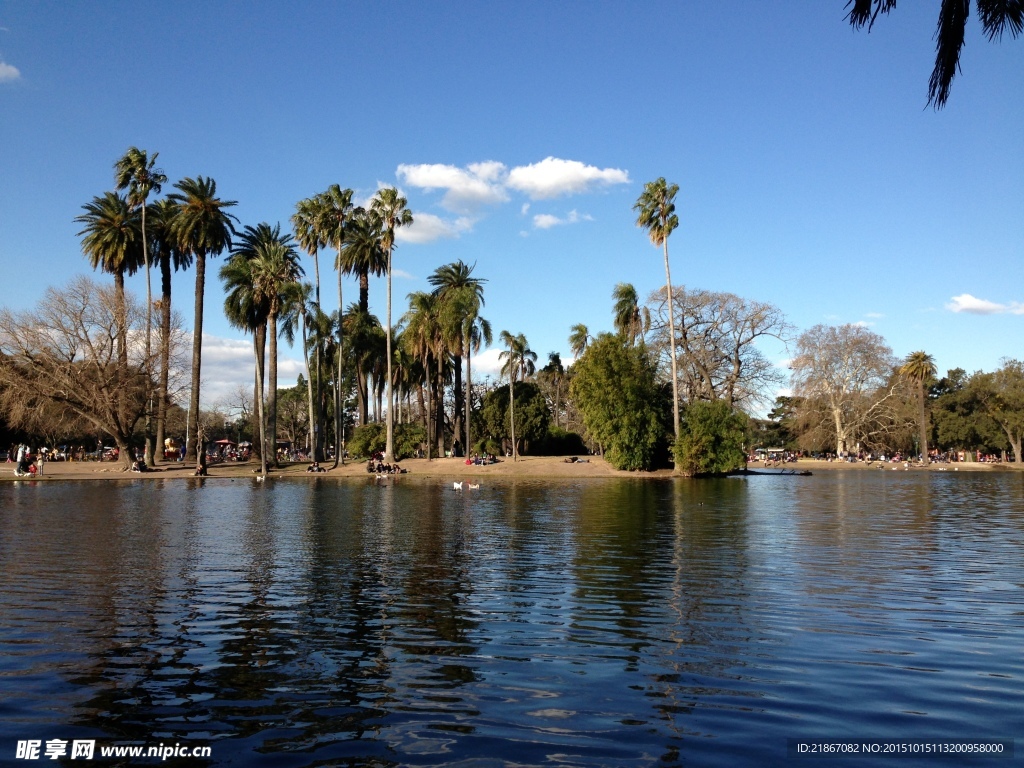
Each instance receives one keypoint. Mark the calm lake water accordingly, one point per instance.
(606, 622)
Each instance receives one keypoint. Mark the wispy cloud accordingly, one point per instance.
(554, 177)
(965, 302)
(8, 73)
(547, 221)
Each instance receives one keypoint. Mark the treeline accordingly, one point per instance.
(673, 382)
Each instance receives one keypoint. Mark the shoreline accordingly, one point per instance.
(535, 467)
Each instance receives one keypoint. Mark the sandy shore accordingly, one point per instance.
(456, 469)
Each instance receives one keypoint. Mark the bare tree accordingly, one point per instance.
(716, 343)
(64, 355)
(845, 377)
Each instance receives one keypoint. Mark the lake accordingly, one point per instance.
(576, 623)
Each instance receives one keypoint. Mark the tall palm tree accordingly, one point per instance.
(167, 256)
(336, 213)
(918, 368)
(112, 241)
(201, 228)
(579, 340)
(631, 321)
(307, 223)
(297, 309)
(555, 372)
(274, 265)
(363, 256)
(424, 338)
(462, 296)
(656, 211)
(248, 312)
(391, 210)
(519, 361)
(137, 173)
(997, 17)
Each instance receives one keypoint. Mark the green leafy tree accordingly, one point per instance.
(616, 391)
(1002, 396)
(656, 211)
(531, 417)
(712, 439)
(202, 227)
(919, 368)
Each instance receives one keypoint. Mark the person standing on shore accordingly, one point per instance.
(40, 459)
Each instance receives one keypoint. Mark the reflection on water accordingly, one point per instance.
(527, 623)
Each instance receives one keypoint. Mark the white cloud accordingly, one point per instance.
(525, 209)
(862, 324)
(547, 221)
(487, 363)
(974, 306)
(874, 315)
(8, 72)
(426, 227)
(229, 363)
(467, 189)
(553, 177)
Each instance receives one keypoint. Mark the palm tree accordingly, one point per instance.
(997, 17)
(555, 372)
(363, 256)
(167, 255)
(336, 213)
(274, 266)
(201, 228)
(656, 214)
(462, 296)
(298, 307)
(136, 173)
(424, 339)
(631, 321)
(244, 310)
(391, 210)
(919, 367)
(579, 340)
(307, 224)
(112, 241)
(519, 361)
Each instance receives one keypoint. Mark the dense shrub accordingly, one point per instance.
(372, 438)
(711, 439)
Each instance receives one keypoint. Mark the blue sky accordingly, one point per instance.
(812, 175)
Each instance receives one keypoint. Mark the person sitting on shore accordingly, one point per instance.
(315, 467)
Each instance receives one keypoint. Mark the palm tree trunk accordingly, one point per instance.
(197, 351)
(672, 343)
(426, 363)
(389, 445)
(923, 422)
(148, 428)
(165, 354)
(469, 400)
(260, 343)
(457, 433)
(309, 389)
(272, 386)
(512, 415)
(339, 415)
(262, 434)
